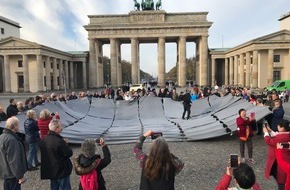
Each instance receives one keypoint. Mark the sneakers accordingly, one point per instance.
(252, 161)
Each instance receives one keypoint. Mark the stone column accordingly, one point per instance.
(248, 68)
(161, 61)
(203, 56)
(84, 75)
(236, 70)
(55, 85)
(61, 74)
(255, 69)
(66, 73)
(270, 66)
(231, 70)
(119, 66)
(39, 67)
(48, 69)
(213, 72)
(7, 73)
(99, 72)
(227, 71)
(113, 58)
(182, 61)
(242, 63)
(25, 73)
(71, 75)
(92, 64)
(134, 60)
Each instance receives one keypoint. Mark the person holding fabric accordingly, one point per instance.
(244, 132)
(271, 139)
(159, 167)
(89, 165)
(44, 119)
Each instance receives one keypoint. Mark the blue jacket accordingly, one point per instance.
(277, 116)
(31, 131)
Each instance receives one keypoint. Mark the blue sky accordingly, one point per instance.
(59, 23)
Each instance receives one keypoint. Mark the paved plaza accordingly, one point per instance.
(205, 163)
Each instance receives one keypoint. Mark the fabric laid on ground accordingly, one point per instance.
(123, 121)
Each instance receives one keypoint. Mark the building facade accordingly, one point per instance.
(9, 28)
(30, 67)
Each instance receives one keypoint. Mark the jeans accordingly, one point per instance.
(249, 145)
(60, 184)
(32, 155)
(11, 184)
(186, 108)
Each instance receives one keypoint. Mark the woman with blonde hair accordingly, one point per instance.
(44, 119)
(32, 138)
(159, 167)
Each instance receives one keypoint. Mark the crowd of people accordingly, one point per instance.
(159, 167)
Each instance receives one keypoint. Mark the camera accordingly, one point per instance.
(234, 160)
(266, 123)
(156, 135)
(285, 145)
(52, 114)
(98, 141)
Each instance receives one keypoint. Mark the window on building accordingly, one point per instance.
(276, 58)
(20, 81)
(44, 79)
(44, 64)
(57, 81)
(276, 75)
(57, 66)
(51, 65)
(20, 63)
(2, 31)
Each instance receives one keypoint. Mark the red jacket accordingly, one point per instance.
(225, 183)
(285, 165)
(272, 142)
(43, 125)
(242, 126)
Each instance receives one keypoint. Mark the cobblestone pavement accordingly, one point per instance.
(205, 163)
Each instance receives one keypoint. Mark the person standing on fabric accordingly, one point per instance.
(186, 104)
(12, 156)
(278, 114)
(32, 138)
(44, 119)
(55, 158)
(88, 162)
(244, 132)
(159, 167)
(283, 135)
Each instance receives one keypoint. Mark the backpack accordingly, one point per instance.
(90, 181)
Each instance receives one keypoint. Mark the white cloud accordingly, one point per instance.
(235, 22)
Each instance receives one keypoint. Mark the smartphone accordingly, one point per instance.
(253, 114)
(52, 114)
(234, 160)
(156, 135)
(285, 145)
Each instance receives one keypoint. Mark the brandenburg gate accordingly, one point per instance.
(147, 27)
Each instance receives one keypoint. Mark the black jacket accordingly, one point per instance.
(11, 110)
(84, 165)
(31, 131)
(55, 157)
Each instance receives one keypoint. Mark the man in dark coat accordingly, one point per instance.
(186, 104)
(12, 156)
(277, 115)
(55, 158)
(12, 108)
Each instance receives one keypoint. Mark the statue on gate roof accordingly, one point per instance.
(147, 5)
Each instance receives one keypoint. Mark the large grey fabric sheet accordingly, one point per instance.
(123, 121)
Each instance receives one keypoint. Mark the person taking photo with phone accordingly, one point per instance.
(283, 135)
(282, 163)
(159, 167)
